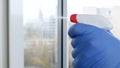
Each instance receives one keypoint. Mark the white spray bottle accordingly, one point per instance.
(95, 20)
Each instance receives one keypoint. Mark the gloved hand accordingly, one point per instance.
(94, 47)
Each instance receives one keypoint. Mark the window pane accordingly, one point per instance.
(108, 8)
(40, 50)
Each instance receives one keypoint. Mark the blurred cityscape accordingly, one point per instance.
(40, 43)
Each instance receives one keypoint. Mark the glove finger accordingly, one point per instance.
(78, 50)
(80, 43)
(82, 55)
(82, 61)
(83, 48)
(76, 40)
(81, 29)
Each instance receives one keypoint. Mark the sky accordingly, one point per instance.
(32, 8)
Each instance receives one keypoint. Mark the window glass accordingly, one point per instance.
(108, 8)
(40, 29)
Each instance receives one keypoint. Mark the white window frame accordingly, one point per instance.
(16, 45)
(62, 35)
(3, 34)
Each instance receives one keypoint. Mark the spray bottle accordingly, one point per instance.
(95, 20)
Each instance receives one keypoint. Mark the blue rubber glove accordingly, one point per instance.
(94, 47)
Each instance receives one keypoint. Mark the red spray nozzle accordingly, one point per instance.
(73, 18)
